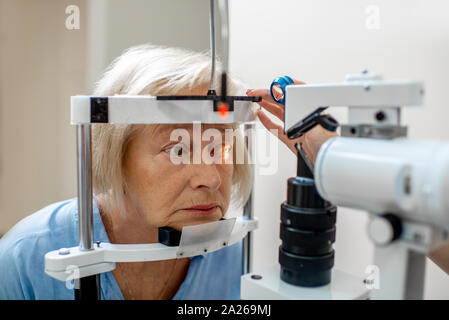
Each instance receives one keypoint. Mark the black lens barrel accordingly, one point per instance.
(307, 231)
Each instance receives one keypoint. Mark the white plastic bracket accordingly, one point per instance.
(72, 263)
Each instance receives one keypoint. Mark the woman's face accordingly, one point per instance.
(160, 192)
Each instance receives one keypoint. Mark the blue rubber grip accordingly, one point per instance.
(282, 82)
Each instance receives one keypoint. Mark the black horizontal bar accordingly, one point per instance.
(209, 97)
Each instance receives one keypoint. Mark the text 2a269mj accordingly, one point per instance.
(230, 309)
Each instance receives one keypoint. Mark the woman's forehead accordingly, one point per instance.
(162, 129)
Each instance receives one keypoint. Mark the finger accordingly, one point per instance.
(268, 103)
(309, 151)
(274, 108)
(274, 128)
(279, 131)
(265, 93)
(266, 121)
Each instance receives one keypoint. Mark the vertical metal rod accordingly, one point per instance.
(415, 276)
(224, 16)
(89, 288)
(85, 213)
(247, 241)
(248, 210)
(212, 44)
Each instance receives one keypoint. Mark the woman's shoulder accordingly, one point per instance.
(54, 220)
(23, 247)
(50, 224)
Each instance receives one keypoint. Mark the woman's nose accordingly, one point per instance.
(205, 176)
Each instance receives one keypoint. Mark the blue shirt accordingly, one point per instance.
(215, 275)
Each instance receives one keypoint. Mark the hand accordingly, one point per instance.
(311, 141)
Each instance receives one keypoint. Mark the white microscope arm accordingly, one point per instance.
(72, 263)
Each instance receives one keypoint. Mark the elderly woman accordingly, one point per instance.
(137, 189)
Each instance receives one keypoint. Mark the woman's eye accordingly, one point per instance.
(224, 151)
(227, 148)
(176, 150)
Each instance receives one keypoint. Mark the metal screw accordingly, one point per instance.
(417, 237)
(205, 250)
(407, 185)
(380, 116)
(367, 131)
(64, 251)
(364, 71)
(288, 222)
(225, 244)
(256, 277)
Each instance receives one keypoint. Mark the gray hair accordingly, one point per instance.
(153, 70)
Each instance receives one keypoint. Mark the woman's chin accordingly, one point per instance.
(192, 219)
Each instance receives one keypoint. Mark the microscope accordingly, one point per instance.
(402, 184)
(83, 264)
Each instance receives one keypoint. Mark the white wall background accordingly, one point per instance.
(43, 64)
(115, 25)
(322, 41)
